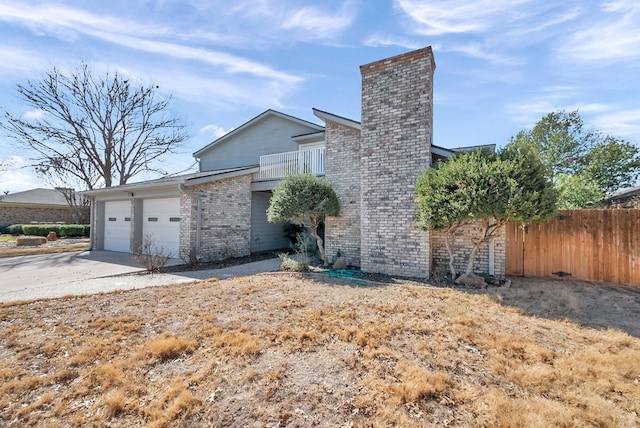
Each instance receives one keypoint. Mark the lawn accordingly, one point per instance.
(68, 245)
(291, 350)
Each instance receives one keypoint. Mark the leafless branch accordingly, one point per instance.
(95, 130)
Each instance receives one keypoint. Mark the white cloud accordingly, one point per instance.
(20, 61)
(34, 114)
(379, 39)
(18, 177)
(231, 63)
(215, 130)
(438, 17)
(607, 118)
(204, 74)
(57, 19)
(476, 50)
(320, 24)
(619, 123)
(526, 114)
(612, 36)
(277, 18)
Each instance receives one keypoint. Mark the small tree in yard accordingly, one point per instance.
(306, 200)
(483, 187)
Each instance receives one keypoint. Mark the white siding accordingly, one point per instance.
(264, 235)
(270, 135)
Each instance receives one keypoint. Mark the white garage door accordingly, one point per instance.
(117, 226)
(161, 223)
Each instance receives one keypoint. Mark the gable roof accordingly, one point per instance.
(626, 193)
(340, 120)
(251, 123)
(37, 196)
(445, 152)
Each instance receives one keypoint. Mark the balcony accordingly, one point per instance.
(279, 165)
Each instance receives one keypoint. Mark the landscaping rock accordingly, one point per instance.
(52, 236)
(341, 263)
(31, 240)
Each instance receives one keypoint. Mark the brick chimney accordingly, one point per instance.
(397, 129)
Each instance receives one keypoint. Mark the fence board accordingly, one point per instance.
(595, 245)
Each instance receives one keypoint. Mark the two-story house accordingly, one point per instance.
(220, 212)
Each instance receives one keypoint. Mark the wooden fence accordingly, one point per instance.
(596, 245)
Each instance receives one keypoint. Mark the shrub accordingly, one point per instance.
(292, 265)
(62, 230)
(14, 229)
(152, 257)
(67, 230)
(40, 229)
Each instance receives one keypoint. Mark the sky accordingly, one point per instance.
(501, 65)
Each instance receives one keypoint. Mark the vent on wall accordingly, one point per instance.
(152, 219)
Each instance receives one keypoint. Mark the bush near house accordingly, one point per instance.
(62, 230)
(12, 229)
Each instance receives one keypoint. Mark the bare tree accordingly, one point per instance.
(78, 204)
(94, 130)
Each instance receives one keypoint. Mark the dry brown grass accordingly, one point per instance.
(32, 251)
(292, 350)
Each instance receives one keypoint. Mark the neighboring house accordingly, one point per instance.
(220, 212)
(628, 198)
(34, 206)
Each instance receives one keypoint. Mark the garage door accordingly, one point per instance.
(161, 223)
(117, 226)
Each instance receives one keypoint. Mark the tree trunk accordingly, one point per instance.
(476, 246)
(315, 223)
(449, 236)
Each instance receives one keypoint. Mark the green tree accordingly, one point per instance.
(533, 197)
(577, 191)
(612, 164)
(306, 200)
(487, 188)
(567, 149)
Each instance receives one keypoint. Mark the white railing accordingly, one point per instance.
(274, 167)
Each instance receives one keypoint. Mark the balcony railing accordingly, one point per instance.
(279, 165)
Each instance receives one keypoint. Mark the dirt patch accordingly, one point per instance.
(291, 350)
(591, 304)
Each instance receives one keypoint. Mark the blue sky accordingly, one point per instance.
(500, 64)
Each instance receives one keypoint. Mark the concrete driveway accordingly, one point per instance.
(88, 272)
(17, 273)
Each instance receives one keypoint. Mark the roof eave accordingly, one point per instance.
(330, 117)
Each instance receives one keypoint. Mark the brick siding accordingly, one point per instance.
(343, 169)
(462, 249)
(226, 219)
(24, 215)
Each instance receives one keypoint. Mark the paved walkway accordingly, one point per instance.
(114, 277)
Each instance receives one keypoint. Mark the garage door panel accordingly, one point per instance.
(161, 224)
(117, 226)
